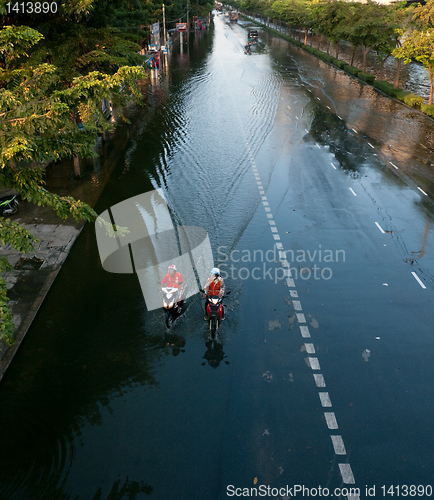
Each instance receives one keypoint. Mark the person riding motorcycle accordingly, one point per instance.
(215, 286)
(174, 279)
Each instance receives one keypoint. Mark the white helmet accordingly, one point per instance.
(214, 270)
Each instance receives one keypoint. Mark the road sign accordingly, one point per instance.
(181, 26)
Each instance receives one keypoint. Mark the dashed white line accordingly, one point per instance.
(338, 445)
(418, 279)
(352, 190)
(332, 165)
(346, 473)
(339, 117)
(319, 379)
(422, 191)
(301, 318)
(354, 130)
(325, 399)
(310, 349)
(380, 228)
(328, 107)
(304, 331)
(318, 146)
(393, 165)
(297, 305)
(314, 364)
(331, 420)
(371, 145)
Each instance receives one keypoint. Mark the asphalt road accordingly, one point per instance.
(322, 375)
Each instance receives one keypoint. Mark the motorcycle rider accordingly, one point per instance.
(215, 286)
(174, 279)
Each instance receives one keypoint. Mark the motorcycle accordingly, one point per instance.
(170, 301)
(214, 312)
(9, 205)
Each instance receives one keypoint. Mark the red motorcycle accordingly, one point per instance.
(214, 312)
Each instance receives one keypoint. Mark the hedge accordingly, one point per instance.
(410, 99)
(352, 69)
(366, 77)
(428, 109)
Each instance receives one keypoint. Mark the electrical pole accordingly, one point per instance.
(164, 24)
(188, 27)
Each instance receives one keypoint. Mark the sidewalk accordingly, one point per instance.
(33, 274)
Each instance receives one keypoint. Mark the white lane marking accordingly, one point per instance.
(309, 90)
(325, 399)
(347, 474)
(310, 349)
(328, 107)
(261, 192)
(267, 209)
(339, 117)
(307, 131)
(393, 165)
(380, 228)
(270, 216)
(331, 420)
(338, 445)
(279, 246)
(304, 330)
(264, 197)
(354, 130)
(352, 190)
(297, 305)
(282, 255)
(314, 364)
(318, 98)
(418, 279)
(271, 222)
(290, 282)
(318, 146)
(276, 236)
(332, 165)
(265, 203)
(422, 191)
(301, 318)
(371, 145)
(319, 379)
(293, 293)
(284, 263)
(274, 229)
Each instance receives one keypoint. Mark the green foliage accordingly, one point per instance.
(428, 109)
(352, 69)
(423, 15)
(366, 77)
(386, 87)
(409, 98)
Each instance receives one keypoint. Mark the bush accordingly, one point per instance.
(410, 99)
(340, 64)
(386, 87)
(428, 109)
(352, 70)
(366, 77)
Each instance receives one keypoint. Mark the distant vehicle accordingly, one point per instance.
(253, 37)
(233, 16)
(219, 6)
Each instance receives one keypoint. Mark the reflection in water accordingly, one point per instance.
(214, 353)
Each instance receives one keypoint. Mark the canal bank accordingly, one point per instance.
(33, 274)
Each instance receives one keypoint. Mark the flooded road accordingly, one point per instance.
(316, 194)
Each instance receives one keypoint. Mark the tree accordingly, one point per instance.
(419, 45)
(328, 19)
(37, 124)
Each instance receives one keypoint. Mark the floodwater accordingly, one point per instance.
(103, 402)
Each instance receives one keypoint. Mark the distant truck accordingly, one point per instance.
(233, 16)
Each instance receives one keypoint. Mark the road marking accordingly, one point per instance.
(319, 379)
(371, 145)
(352, 190)
(325, 399)
(422, 191)
(301, 318)
(297, 305)
(418, 279)
(265, 203)
(314, 364)
(331, 420)
(272, 223)
(332, 165)
(307, 131)
(328, 107)
(270, 216)
(346, 473)
(273, 229)
(276, 236)
(380, 228)
(290, 282)
(354, 130)
(293, 293)
(310, 349)
(319, 147)
(393, 165)
(338, 445)
(339, 117)
(304, 330)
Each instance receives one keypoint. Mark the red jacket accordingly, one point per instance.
(173, 281)
(215, 286)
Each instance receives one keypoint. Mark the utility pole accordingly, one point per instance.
(188, 27)
(164, 24)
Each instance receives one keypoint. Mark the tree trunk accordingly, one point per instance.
(299, 35)
(77, 171)
(430, 83)
(398, 71)
(305, 35)
(365, 56)
(354, 53)
(337, 50)
(328, 46)
(290, 30)
(280, 26)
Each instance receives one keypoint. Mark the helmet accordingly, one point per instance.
(172, 266)
(214, 270)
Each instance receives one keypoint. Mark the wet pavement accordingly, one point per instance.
(322, 376)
